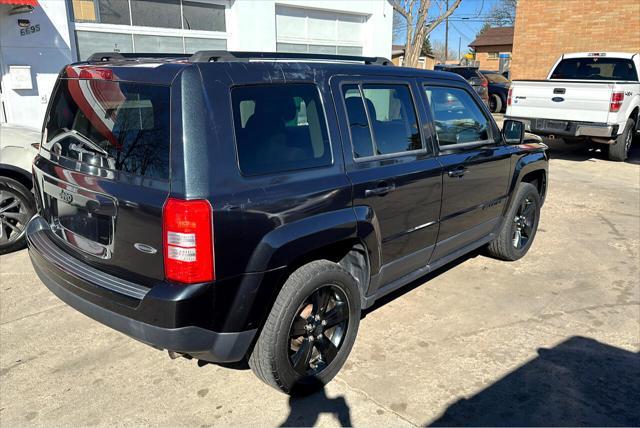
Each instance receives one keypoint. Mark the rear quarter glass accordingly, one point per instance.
(279, 127)
(120, 126)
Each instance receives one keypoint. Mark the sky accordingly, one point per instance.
(465, 22)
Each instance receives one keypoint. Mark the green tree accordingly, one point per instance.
(484, 28)
(426, 47)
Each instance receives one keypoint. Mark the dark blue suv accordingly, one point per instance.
(246, 207)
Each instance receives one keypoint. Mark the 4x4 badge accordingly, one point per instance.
(66, 196)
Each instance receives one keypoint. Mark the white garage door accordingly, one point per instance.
(314, 31)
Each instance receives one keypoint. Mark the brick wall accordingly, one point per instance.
(545, 29)
(482, 56)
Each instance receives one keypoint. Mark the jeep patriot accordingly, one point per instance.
(246, 207)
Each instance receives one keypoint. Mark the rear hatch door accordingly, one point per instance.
(103, 171)
(561, 100)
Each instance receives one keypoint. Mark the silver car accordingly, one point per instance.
(18, 147)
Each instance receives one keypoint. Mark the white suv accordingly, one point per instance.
(18, 147)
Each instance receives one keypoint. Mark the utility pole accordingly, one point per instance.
(446, 36)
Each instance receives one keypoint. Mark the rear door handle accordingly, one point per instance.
(380, 190)
(458, 172)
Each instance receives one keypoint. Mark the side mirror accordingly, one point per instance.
(513, 131)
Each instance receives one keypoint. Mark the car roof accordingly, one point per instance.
(137, 68)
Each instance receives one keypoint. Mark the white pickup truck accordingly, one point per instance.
(588, 96)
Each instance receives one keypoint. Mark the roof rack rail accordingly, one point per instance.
(228, 56)
(108, 56)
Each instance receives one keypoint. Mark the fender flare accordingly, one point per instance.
(283, 245)
(529, 162)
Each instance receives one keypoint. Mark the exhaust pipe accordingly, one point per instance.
(173, 355)
(603, 140)
(551, 137)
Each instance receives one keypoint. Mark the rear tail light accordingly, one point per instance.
(616, 101)
(188, 241)
(96, 73)
(509, 96)
(485, 83)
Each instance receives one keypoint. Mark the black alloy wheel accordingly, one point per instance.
(519, 226)
(523, 223)
(310, 330)
(318, 330)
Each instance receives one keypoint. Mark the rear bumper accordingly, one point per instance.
(563, 128)
(150, 315)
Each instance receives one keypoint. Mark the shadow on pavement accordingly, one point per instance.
(304, 411)
(584, 151)
(423, 280)
(580, 382)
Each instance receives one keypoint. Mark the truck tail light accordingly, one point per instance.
(188, 241)
(509, 96)
(616, 101)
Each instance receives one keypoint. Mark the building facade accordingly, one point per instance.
(493, 48)
(544, 30)
(425, 62)
(35, 44)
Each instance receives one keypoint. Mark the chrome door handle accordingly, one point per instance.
(380, 191)
(458, 172)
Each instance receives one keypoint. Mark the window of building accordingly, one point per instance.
(315, 31)
(182, 14)
(492, 55)
(457, 117)
(144, 43)
(202, 16)
(156, 13)
(279, 128)
(382, 119)
(162, 26)
(90, 42)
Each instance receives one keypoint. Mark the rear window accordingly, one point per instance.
(467, 73)
(597, 68)
(115, 125)
(496, 78)
(279, 128)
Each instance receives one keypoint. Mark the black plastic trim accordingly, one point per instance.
(192, 340)
(40, 238)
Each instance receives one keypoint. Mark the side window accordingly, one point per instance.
(382, 119)
(279, 128)
(358, 123)
(457, 117)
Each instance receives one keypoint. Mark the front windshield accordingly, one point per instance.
(496, 78)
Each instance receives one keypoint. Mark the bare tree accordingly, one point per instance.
(415, 14)
(438, 51)
(398, 27)
(503, 14)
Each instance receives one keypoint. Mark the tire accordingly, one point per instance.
(495, 103)
(619, 150)
(17, 206)
(504, 246)
(273, 356)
